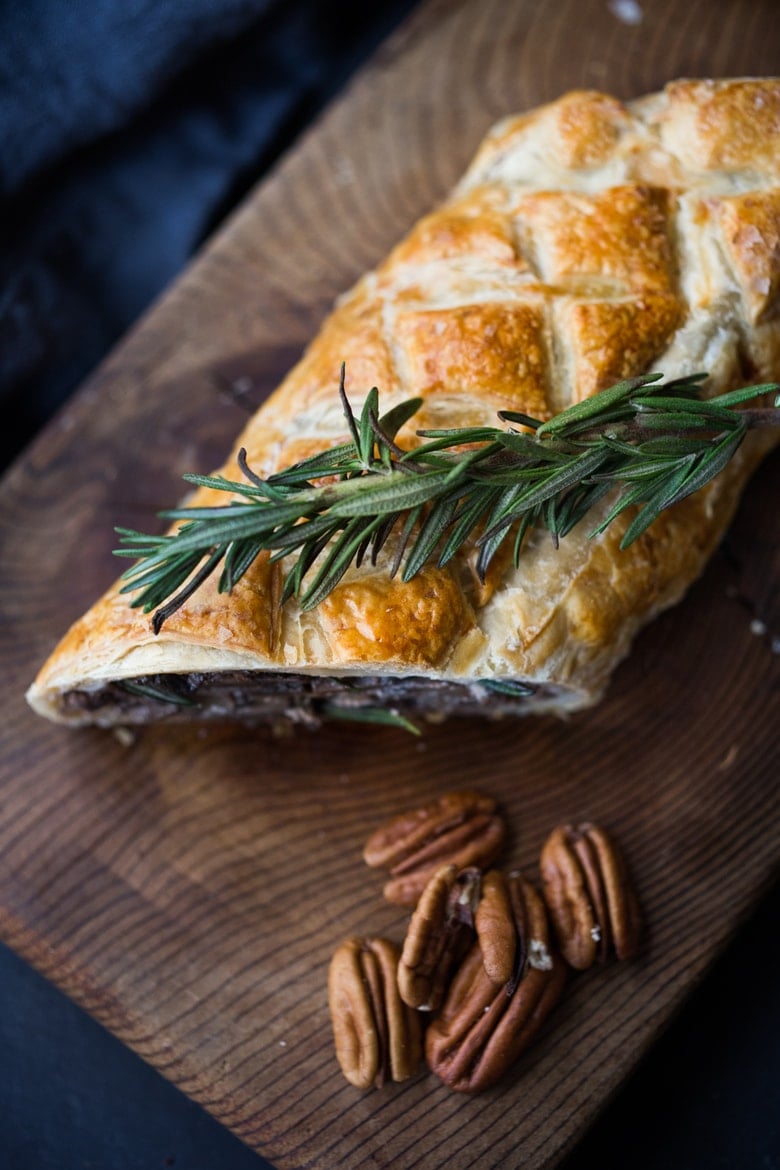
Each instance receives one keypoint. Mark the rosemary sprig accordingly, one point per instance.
(156, 692)
(385, 716)
(654, 442)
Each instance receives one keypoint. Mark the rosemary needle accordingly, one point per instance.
(652, 442)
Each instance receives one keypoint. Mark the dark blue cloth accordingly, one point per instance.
(72, 73)
(127, 130)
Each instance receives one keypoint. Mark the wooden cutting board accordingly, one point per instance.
(189, 888)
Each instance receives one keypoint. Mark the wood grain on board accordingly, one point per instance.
(189, 889)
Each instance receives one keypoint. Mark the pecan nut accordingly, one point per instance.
(461, 828)
(454, 906)
(377, 1036)
(494, 924)
(481, 1028)
(589, 895)
(440, 932)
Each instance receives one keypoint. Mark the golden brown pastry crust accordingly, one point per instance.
(588, 241)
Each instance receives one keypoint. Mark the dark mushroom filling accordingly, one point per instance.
(279, 697)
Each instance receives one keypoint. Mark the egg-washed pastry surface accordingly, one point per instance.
(589, 241)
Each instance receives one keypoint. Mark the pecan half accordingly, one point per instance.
(377, 1036)
(495, 928)
(481, 1029)
(461, 828)
(589, 894)
(440, 932)
(453, 906)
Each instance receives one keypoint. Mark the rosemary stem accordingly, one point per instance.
(757, 417)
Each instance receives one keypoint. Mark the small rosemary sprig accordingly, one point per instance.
(655, 442)
(157, 692)
(385, 716)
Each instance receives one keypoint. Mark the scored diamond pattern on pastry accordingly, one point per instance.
(493, 351)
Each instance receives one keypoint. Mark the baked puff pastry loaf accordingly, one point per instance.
(589, 241)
